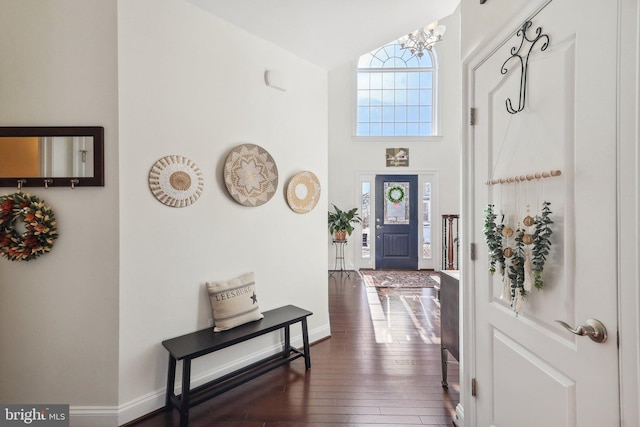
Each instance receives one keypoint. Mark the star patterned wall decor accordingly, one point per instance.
(250, 175)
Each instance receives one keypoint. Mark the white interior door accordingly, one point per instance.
(530, 371)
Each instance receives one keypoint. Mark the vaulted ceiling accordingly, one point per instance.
(329, 33)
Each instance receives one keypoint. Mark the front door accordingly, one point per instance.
(530, 371)
(396, 222)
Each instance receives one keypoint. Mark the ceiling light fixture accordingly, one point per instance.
(424, 38)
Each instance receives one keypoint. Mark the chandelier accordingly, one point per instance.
(424, 38)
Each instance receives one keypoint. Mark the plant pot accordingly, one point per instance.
(341, 235)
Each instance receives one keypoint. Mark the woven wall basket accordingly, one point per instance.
(250, 175)
(303, 192)
(176, 181)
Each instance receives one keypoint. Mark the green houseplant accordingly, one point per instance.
(340, 222)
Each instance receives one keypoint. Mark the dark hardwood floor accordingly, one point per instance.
(381, 367)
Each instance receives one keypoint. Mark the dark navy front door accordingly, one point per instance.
(396, 222)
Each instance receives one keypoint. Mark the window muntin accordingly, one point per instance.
(395, 95)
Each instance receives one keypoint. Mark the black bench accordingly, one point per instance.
(190, 346)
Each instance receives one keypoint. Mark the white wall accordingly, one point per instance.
(191, 84)
(83, 324)
(348, 156)
(59, 312)
(480, 21)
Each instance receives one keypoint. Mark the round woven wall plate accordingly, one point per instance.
(176, 181)
(303, 192)
(251, 175)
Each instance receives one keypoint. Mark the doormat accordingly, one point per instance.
(400, 278)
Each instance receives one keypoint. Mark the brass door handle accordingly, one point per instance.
(593, 329)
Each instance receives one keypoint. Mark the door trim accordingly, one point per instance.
(628, 215)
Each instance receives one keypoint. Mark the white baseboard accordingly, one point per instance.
(113, 417)
(93, 416)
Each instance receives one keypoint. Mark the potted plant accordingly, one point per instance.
(340, 222)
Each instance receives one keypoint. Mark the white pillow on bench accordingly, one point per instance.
(234, 302)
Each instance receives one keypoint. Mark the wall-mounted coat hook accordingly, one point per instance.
(21, 182)
(47, 182)
(73, 183)
(524, 62)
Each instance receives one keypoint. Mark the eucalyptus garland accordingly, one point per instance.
(493, 237)
(395, 194)
(541, 243)
(518, 269)
(39, 222)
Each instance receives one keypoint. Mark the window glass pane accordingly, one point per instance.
(425, 114)
(388, 97)
(375, 97)
(375, 80)
(375, 129)
(425, 128)
(401, 129)
(363, 97)
(388, 129)
(401, 114)
(375, 114)
(413, 80)
(425, 80)
(363, 114)
(413, 114)
(400, 80)
(388, 113)
(426, 97)
(365, 214)
(396, 203)
(363, 81)
(388, 81)
(413, 97)
(426, 220)
(401, 97)
(363, 129)
(413, 129)
(425, 61)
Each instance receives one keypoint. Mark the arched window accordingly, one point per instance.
(396, 93)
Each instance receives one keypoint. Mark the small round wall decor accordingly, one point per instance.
(176, 181)
(39, 227)
(303, 192)
(250, 175)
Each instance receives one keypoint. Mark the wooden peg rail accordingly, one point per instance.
(522, 178)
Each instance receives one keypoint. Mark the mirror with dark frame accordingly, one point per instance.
(52, 156)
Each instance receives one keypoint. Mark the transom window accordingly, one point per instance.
(396, 93)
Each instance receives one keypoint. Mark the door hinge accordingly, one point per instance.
(472, 116)
(472, 251)
(474, 387)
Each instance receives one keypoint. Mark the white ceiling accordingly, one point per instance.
(329, 33)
